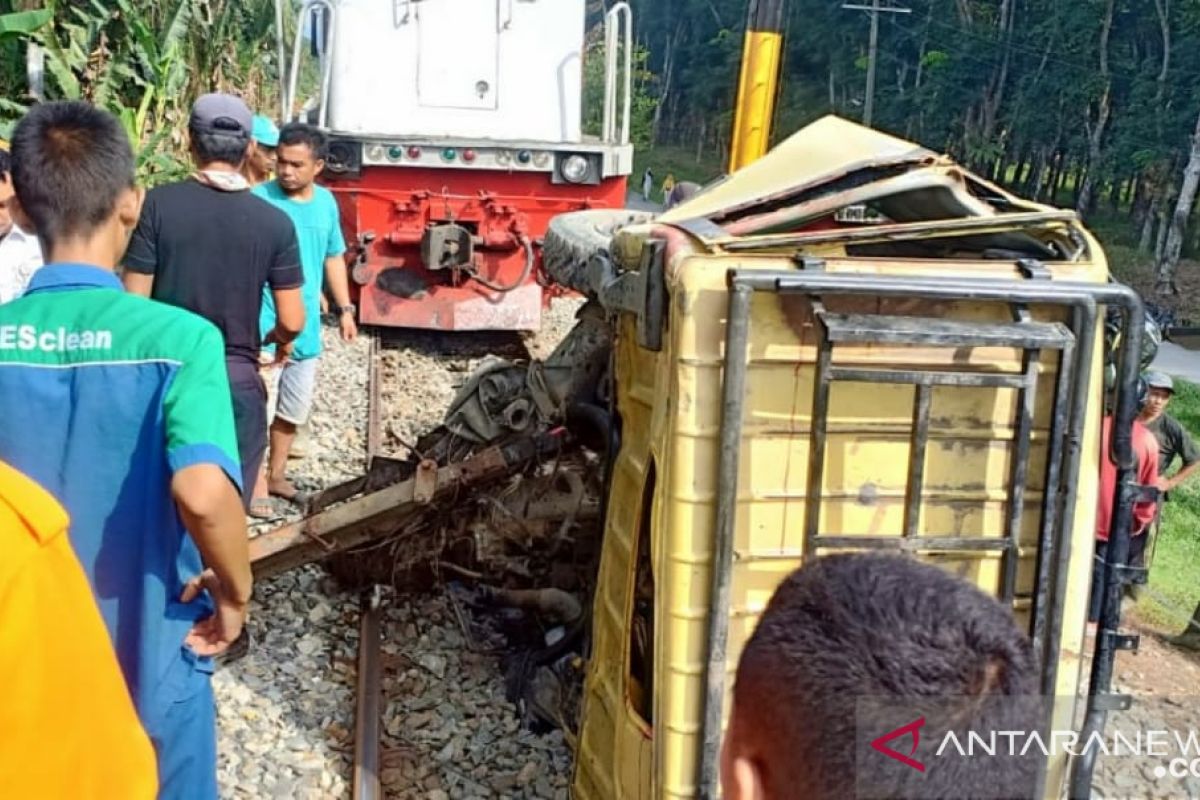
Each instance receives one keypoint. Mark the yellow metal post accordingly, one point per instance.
(758, 83)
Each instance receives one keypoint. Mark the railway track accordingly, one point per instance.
(366, 781)
(445, 728)
(395, 360)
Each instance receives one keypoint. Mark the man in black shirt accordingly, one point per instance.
(1173, 440)
(208, 245)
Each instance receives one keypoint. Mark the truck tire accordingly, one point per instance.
(572, 239)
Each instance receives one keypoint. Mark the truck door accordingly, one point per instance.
(458, 53)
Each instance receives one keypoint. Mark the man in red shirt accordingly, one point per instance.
(1145, 448)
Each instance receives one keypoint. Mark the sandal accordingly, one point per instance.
(296, 497)
(263, 508)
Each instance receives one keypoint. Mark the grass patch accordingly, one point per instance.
(1175, 572)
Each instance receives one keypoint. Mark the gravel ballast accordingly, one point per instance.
(286, 710)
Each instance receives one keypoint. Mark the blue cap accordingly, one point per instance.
(264, 131)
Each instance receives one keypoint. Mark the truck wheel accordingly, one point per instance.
(571, 239)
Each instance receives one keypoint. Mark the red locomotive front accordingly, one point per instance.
(456, 135)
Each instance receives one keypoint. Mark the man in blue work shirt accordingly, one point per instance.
(120, 407)
(299, 159)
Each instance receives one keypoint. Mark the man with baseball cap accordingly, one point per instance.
(1173, 439)
(207, 244)
(1173, 442)
(260, 162)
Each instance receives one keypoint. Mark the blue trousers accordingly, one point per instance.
(183, 730)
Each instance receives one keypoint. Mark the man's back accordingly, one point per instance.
(107, 395)
(212, 252)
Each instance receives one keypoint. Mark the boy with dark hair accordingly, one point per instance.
(20, 253)
(299, 159)
(120, 408)
(850, 633)
(208, 245)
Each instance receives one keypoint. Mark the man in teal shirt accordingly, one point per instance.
(300, 158)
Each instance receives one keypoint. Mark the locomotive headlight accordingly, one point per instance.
(575, 169)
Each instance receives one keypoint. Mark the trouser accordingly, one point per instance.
(183, 730)
(249, 396)
(1137, 554)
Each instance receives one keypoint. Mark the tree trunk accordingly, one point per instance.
(1049, 193)
(1148, 227)
(1160, 244)
(668, 75)
(1033, 183)
(994, 93)
(922, 49)
(1097, 129)
(1168, 261)
(1139, 206)
(1163, 9)
(1114, 194)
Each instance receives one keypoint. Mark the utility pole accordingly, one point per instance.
(873, 49)
(758, 82)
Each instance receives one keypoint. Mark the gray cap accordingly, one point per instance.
(221, 113)
(1159, 380)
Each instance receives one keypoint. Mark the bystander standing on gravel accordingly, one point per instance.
(120, 408)
(208, 245)
(300, 158)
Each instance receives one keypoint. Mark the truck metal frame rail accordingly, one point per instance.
(1074, 340)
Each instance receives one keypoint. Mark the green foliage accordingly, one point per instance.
(145, 62)
(22, 23)
(641, 114)
(1014, 95)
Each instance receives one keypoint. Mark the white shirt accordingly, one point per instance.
(20, 257)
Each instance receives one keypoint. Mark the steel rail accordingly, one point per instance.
(367, 703)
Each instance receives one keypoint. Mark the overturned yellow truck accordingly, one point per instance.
(853, 343)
